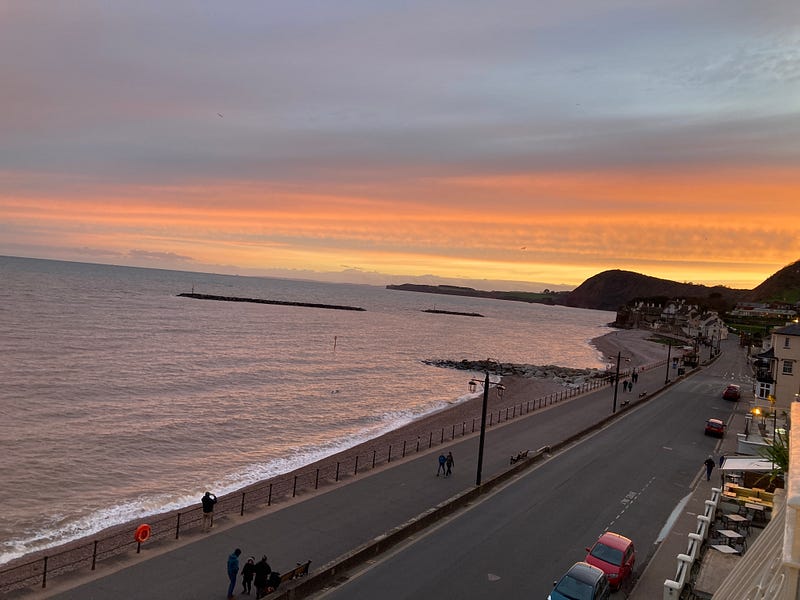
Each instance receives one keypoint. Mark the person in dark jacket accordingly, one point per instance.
(709, 463)
(442, 461)
(273, 582)
(233, 570)
(261, 571)
(248, 570)
(450, 463)
(208, 500)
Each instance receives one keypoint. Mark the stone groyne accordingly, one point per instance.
(262, 301)
(566, 376)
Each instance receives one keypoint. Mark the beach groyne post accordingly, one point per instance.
(44, 573)
(374, 453)
(94, 554)
(355, 470)
(241, 510)
(178, 525)
(403, 455)
(316, 480)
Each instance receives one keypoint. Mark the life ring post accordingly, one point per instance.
(142, 534)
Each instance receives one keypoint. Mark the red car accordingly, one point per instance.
(715, 427)
(613, 554)
(732, 392)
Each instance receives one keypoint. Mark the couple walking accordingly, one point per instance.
(446, 464)
(253, 573)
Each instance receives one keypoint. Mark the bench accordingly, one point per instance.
(519, 457)
(301, 570)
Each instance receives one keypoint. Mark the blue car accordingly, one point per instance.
(581, 582)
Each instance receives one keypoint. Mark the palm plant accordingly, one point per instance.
(777, 453)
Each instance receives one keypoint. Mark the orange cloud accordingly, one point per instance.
(562, 227)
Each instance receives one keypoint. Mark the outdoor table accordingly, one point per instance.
(757, 510)
(738, 520)
(725, 549)
(731, 536)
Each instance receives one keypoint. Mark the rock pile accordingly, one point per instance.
(566, 376)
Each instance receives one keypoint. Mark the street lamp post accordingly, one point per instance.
(616, 384)
(669, 351)
(772, 401)
(500, 389)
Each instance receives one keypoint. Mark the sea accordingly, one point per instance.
(119, 399)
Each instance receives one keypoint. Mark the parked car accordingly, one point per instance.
(732, 392)
(581, 582)
(615, 555)
(715, 427)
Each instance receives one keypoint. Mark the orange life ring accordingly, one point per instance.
(142, 533)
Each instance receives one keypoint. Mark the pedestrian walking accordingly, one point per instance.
(450, 462)
(208, 500)
(261, 572)
(442, 468)
(709, 463)
(233, 570)
(248, 570)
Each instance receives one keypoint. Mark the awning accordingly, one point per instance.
(747, 463)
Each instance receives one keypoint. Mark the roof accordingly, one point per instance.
(583, 571)
(614, 540)
(767, 353)
(747, 463)
(791, 329)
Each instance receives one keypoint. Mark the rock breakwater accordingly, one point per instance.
(566, 376)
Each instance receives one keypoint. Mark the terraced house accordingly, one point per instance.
(781, 376)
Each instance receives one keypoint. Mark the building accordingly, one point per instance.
(786, 364)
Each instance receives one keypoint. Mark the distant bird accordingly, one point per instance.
(523, 248)
(219, 115)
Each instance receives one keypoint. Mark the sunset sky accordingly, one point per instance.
(501, 144)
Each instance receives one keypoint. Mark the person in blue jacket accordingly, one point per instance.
(233, 570)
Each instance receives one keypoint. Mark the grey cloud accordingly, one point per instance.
(131, 93)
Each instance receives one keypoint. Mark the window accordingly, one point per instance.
(786, 342)
(764, 389)
(787, 367)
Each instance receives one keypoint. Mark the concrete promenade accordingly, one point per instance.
(333, 522)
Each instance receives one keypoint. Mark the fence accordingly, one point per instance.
(673, 588)
(120, 539)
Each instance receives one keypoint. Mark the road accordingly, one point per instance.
(628, 478)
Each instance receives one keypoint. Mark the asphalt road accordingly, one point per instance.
(628, 478)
